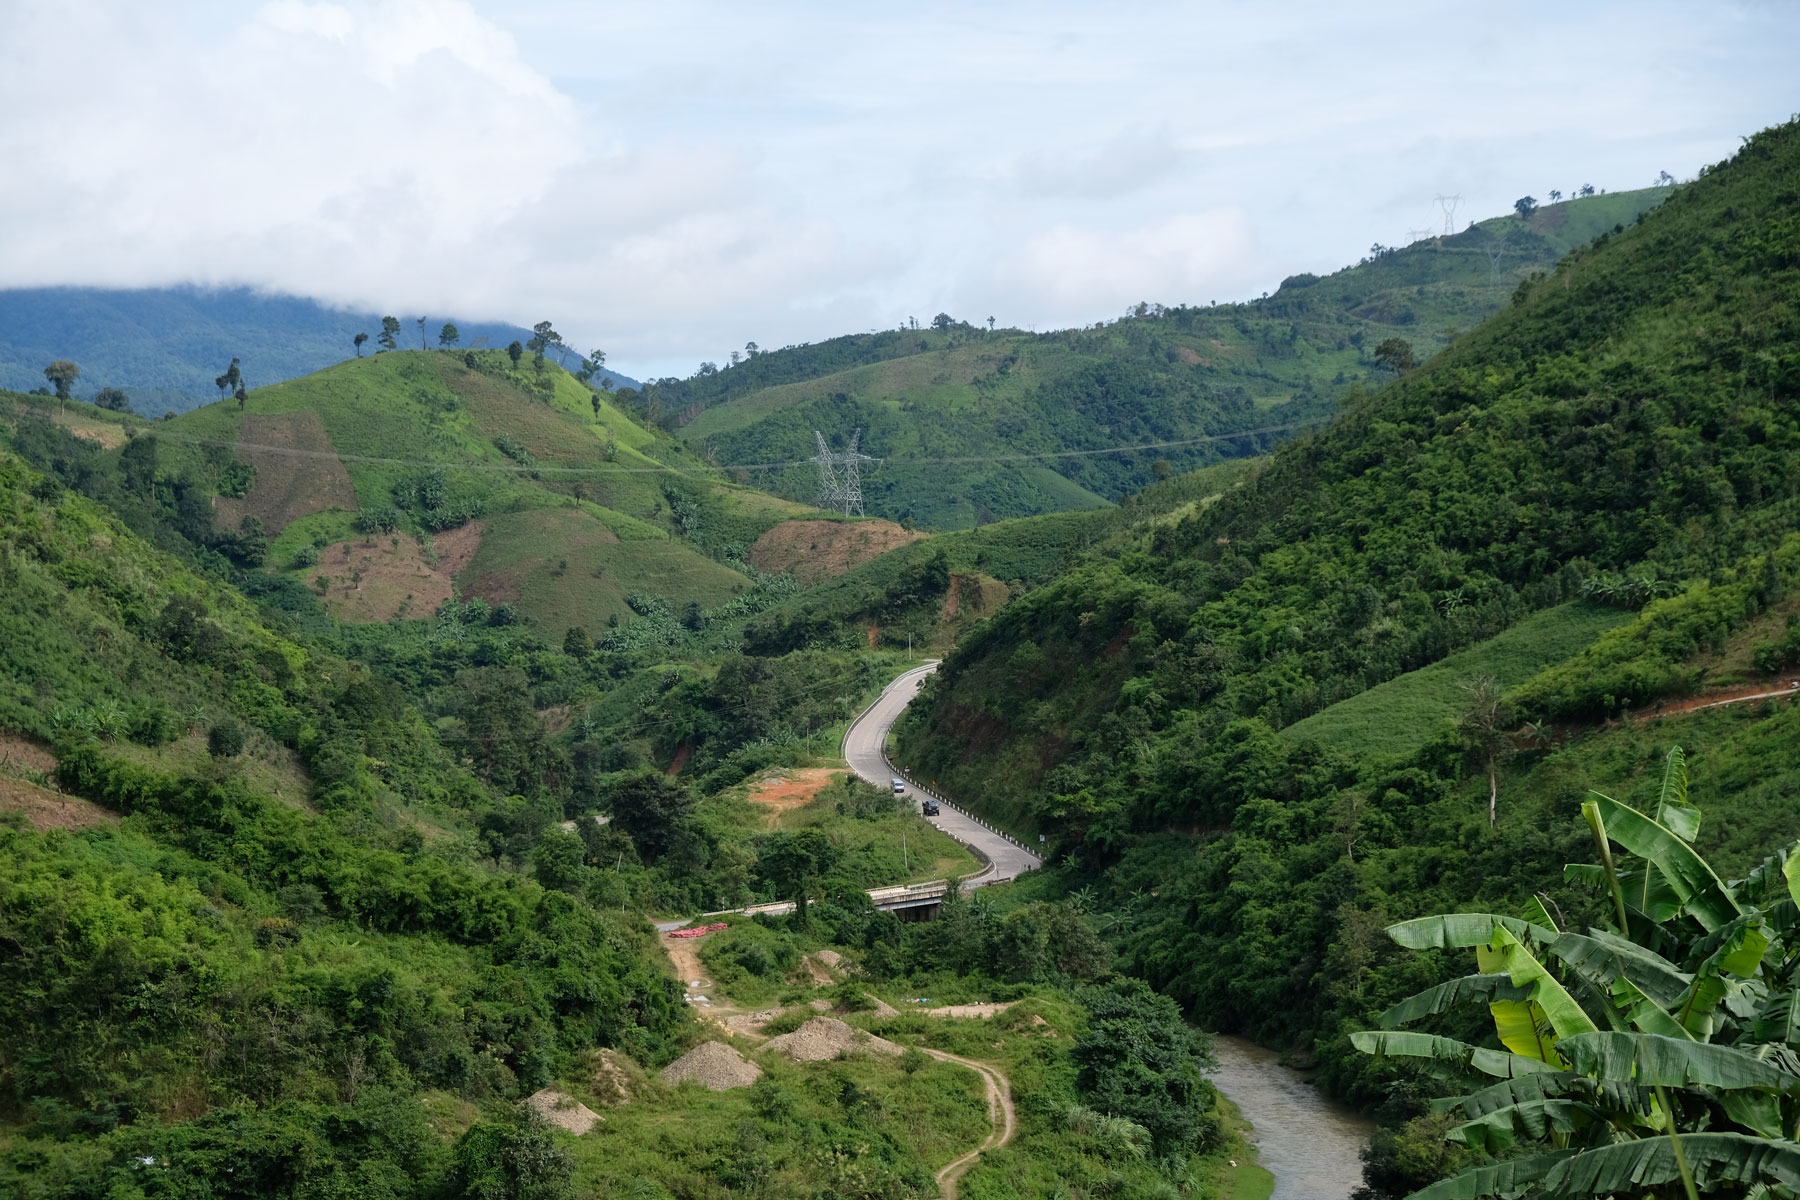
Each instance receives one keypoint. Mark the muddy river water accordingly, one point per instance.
(1311, 1145)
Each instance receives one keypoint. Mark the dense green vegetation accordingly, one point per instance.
(934, 401)
(306, 906)
(1624, 434)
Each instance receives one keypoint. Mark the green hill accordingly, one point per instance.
(165, 346)
(389, 481)
(1624, 430)
(928, 399)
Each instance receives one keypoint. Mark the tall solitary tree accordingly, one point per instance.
(1483, 726)
(515, 352)
(358, 341)
(421, 324)
(390, 333)
(1525, 206)
(1555, 195)
(62, 374)
(543, 338)
(449, 335)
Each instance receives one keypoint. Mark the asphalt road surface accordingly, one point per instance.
(863, 750)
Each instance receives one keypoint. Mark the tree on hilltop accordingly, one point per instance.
(390, 333)
(358, 341)
(1525, 206)
(421, 324)
(1555, 196)
(62, 374)
(449, 335)
(942, 322)
(1587, 189)
(543, 338)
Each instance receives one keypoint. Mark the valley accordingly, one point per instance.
(364, 736)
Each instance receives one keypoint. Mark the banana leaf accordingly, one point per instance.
(1779, 1019)
(1703, 893)
(1503, 1128)
(1739, 952)
(1449, 931)
(1508, 1178)
(1672, 808)
(1447, 996)
(1605, 957)
(1759, 1112)
(1531, 1029)
(1768, 878)
(1647, 1059)
(1714, 1158)
(1523, 1028)
(1522, 1089)
(1402, 1043)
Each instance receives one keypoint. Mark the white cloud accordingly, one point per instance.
(1067, 271)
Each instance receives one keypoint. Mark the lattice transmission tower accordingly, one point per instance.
(1448, 204)
(840, 474)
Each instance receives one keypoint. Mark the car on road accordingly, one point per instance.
(929, 808)
(899, 786)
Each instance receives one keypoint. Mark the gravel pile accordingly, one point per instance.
(563, 1111)
(825, 1038)
(714, 1065)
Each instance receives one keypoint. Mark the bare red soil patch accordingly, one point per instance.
(819, 550)
(389, 575)
(18, 752)
(297, 471)
(796, 790)
(46, 809)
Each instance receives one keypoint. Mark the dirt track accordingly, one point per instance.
(1000, 1114)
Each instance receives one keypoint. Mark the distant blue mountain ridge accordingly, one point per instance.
(165, 346)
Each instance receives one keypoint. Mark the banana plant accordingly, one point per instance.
(1659, 1057)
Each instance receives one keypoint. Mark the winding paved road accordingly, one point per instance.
(865, 750)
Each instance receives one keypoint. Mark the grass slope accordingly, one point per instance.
(1402, 715)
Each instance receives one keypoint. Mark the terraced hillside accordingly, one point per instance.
(957, 410)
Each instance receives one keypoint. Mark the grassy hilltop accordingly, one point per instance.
(1158, 374)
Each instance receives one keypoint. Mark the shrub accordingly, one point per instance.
(225, 740)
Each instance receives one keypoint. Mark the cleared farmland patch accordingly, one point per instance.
(820, 550)
(563, 567)
(298, 472)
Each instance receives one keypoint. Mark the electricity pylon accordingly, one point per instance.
(840, 475)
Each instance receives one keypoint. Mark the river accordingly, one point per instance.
(1309, 1144)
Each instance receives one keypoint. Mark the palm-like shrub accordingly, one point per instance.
(1654, 1058)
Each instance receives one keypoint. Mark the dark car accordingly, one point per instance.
(929, 808)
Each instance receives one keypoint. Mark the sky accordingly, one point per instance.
(668, 181)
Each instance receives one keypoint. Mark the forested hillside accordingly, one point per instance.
(929, 398)
(164, 347)
(1622, 436)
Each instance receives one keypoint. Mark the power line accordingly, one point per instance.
(662, 469)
